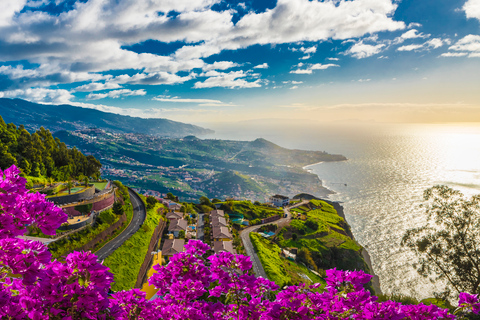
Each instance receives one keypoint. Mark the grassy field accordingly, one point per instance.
(325, 238)
(280, 270)
(251, 211)
(100, 185)
(126, 261)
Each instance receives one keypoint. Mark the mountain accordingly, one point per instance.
(67, 117)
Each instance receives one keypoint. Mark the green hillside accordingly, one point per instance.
(40, 154)
(322, 238)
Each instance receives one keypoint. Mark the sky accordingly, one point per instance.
(201, 61)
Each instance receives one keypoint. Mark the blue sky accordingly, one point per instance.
(211, 60)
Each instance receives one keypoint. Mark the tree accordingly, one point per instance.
(170, 196)
(151, 202)
(181, 234)
(69, 186)
(448, 246)
(117, 208)
(205, 201)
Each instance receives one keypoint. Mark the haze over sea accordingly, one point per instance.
(381, 185)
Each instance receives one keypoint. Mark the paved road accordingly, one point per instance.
(139, 215)
(245, 235)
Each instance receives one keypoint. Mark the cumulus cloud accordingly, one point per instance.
(232, 80)
(220, 65)
(468, 45)
(361, 50)
(261, 66)
(309, 69)
(25, 78)
(41, 95)
(114, 94)
(472, 9)
(93, 36)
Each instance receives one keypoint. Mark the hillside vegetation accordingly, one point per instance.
(322, 238)
(37, 115)
(278, 269)
(249, 210)
(41, 155)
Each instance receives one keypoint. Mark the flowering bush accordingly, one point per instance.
(32, 286)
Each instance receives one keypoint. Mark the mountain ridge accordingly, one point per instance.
(68, 117)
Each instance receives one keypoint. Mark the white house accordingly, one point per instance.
(279, 200)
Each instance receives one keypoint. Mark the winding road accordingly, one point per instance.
(245, 235)
(139, 215)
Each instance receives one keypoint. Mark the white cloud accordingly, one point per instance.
(154, 78)
(333, 59)
(114, 94)
(200, 102)
(434, 43)
(41, 95)
(92, 36)
(311, 67)
(360, 50)
(410, 34)
(262, 66)
(294, 87)
(9, 9)
(233, 79)
(468, 45)
(308, 51)
(454, 54)
(414, 25)
(97, 86)
(472, 9)
(220, 65)
(410, 47)
(292, 82)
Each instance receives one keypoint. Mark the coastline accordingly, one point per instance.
(309, 165)
(364, 252)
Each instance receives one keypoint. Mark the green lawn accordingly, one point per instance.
(100, 185)
(278, 269)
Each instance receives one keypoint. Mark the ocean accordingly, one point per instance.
(381, 184)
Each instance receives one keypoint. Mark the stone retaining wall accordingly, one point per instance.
(141, 278)
(78, 225)
(71, 198)
(105, 234)
(104, 203)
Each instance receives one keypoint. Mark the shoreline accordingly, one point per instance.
(309, 165)
(340, 210)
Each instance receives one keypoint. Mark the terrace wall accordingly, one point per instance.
(71, 198)
(141, 278)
